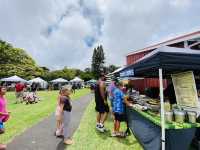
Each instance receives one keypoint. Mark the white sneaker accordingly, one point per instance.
(99, 128)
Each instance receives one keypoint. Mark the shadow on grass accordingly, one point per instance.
(104, 135)
(126, 141)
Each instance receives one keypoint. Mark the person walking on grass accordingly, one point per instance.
(65, 100)
(19, 92)
(102, 107)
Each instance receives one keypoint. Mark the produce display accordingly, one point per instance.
(175, 119)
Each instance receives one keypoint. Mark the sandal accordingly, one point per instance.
(68, 142)
(121, 134)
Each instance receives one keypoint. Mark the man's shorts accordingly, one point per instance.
(119, 117)
(102, 108)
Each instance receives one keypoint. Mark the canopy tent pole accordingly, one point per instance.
(162, 109)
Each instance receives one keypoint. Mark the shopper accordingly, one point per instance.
(118, 109)
(19, 92)
(101, 103)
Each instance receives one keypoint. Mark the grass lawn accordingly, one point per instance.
(24, 116)
(87, 138)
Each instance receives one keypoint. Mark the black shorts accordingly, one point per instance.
(120, 117)
(102, 108)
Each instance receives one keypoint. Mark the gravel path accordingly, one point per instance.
(41, 136)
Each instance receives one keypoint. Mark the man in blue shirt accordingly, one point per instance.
(118, 108)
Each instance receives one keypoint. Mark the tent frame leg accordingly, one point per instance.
(162, 109)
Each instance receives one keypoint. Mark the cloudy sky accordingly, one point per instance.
(58, 33)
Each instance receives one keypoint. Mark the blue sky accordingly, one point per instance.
(58, 33)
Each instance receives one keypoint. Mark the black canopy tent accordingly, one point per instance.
(163, 62)
(171, 60)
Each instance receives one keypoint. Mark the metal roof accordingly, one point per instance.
(194, 36)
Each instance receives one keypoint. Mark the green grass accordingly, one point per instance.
(24, 116)
(87, 138)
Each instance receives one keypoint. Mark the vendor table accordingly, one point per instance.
(145, 125)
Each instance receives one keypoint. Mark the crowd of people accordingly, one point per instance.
(26, 93)
(116, 93)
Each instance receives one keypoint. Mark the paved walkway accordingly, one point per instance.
(41, 136)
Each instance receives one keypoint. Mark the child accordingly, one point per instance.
(118, 109)
(4, 114)
(59, 116)
(67, 107)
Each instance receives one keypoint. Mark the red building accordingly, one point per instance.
(191, 41)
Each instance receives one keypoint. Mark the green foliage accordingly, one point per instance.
(110, 68)
(98, 60)
(15, 61)
(68, 74)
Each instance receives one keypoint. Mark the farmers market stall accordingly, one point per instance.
(57, 83)
(146, 116)
(13, 79)
(43, 84)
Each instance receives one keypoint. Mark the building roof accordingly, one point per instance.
(194, 36)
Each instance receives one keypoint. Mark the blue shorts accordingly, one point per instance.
(1, 125)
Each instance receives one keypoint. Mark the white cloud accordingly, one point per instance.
(54, 31)
(180, 3)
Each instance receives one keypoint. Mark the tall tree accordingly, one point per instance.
(112, 68)
(15, 61)
(98, 60)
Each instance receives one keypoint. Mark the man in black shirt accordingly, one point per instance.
(101, 103)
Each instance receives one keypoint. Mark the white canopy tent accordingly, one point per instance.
(92, 81)
(43, 83)
(57, 83)
(59, 80)
(76, 79)
(13, 79)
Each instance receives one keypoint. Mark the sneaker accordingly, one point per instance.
(68, 142)
(97, 126)
(100, 128)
